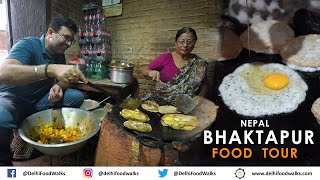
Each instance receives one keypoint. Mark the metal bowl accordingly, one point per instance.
(89, 104)
(68, 117)
(100, 113)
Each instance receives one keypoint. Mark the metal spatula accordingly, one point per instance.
(185, 103)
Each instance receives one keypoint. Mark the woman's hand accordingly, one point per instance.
(155, 75)
(55, 93)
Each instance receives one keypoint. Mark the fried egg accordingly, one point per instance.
(256, 89)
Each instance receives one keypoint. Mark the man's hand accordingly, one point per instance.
(66, 73)
(155, 75)
(55, 93)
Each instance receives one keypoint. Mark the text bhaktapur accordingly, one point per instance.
(262, 137)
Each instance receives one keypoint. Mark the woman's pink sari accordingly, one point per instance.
(187, 81)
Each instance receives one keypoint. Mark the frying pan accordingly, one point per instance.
(205, 111)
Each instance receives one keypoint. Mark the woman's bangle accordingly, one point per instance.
(46, 71)
(36, 72)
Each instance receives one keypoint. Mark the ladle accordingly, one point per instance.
(104, 100)
(185, 103)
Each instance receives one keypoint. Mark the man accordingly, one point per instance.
(34, 77)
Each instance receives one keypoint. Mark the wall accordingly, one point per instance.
(3, 40)
(32, 22)
(147, 28)
(73, 10)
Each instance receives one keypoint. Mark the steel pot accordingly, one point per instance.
(121, 72)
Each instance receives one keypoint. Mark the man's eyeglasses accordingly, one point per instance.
(189, 42)
(67, 39)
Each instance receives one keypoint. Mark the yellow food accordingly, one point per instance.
(138, 126)
(179, 121)
(135, 115)
(150, 106)
(168, 110)
(276, 81)
(44, 133)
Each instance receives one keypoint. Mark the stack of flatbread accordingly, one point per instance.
(267, 36)
(315, 109)
(228, 46)
(302, 53)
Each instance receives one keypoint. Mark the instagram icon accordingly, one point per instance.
(87, 173)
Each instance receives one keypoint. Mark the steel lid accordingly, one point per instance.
(124, 66)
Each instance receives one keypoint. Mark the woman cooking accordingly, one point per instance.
(178, 72)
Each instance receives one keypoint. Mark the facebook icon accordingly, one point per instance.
(11, 173)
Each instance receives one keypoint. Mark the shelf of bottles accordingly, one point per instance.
(95, 41)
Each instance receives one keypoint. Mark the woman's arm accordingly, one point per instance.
(153, 69)
(145, 71)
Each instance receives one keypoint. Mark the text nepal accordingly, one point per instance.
(260, 137)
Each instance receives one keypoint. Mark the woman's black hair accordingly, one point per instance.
(186, 30)
(60, 20)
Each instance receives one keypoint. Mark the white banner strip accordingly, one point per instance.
(161, 172)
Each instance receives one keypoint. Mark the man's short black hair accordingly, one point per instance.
(60, 20)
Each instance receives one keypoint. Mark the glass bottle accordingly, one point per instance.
(101, 71)
(92, 69)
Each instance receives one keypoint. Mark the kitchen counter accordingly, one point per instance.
(116, 90)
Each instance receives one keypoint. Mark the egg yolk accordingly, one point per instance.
(276, 81)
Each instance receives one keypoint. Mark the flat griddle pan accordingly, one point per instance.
(205, 111)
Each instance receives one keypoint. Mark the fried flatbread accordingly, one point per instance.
(228, 46)
(302, 53)
(267, 36)
(168, 110)
(150, 106)
(138, 126)
(315, 109)
(135, 115)
(179, 121)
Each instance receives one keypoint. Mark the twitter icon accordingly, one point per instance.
(163, 173)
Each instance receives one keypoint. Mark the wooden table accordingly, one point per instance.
(116, 90)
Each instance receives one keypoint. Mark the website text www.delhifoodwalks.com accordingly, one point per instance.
(281, 173)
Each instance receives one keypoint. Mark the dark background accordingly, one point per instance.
(300, 119)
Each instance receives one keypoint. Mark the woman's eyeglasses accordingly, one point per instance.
(188, 42)
(67, 39)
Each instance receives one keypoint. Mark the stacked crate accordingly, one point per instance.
(95, 41)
